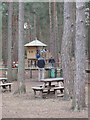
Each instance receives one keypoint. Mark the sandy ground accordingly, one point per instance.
(26, 106)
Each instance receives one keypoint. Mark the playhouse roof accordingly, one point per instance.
(35, 43)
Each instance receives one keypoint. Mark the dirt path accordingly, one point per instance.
(26, 106)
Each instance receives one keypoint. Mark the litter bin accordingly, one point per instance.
(61, 72)
(53, 72)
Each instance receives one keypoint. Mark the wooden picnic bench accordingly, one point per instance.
(58, 88)
(45, 90)
(3, 80)
(50, 87)
(88, 70)
(50, 81)
(46, 85)
(41, 91)
(5, 85)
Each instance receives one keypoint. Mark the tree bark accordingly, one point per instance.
(4, 38)
(9, 65)
(28, 31)
(38, 29)
(15, 38)
(15, 47)
(66, 48)
(35, 26)
(79, 81)
(21, 66)
(50, 39)
(0, 32)
(61, 25)
(55, 31)
(89, 35)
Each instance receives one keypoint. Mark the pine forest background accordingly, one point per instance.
(64, 27)
(36, 24)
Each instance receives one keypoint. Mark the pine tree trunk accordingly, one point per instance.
(61, 25)
(51, 39)
(79, 82)
(55, 32)
(28, 31)
(66, 50)
(16, 40)
(35, 26)
(38, 29)
(13, 34)
(4, 38)
(1, 62)
(47, 36)
(0, 33)
(9, 64)
(21, 66)
(89, 36)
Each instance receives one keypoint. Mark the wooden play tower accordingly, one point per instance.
(31, 50)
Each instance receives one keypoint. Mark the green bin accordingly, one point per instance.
(53, 72)
(61, 72)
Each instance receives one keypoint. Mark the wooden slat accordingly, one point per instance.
(52, 80)
(5, 84)
(3, 78)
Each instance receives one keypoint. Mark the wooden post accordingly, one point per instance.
(30, 73)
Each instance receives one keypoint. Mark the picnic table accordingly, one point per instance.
(49, 84)
(3, 80)
(4, 84)
(88, 70)
(50, 80)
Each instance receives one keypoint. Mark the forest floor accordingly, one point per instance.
(26, 106)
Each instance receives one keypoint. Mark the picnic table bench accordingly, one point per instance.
(38, 89)
(58, 88)
(88, 70)
(4, 84)
(49, 87)
(42, 90)
(2, 80)
(46, 85)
